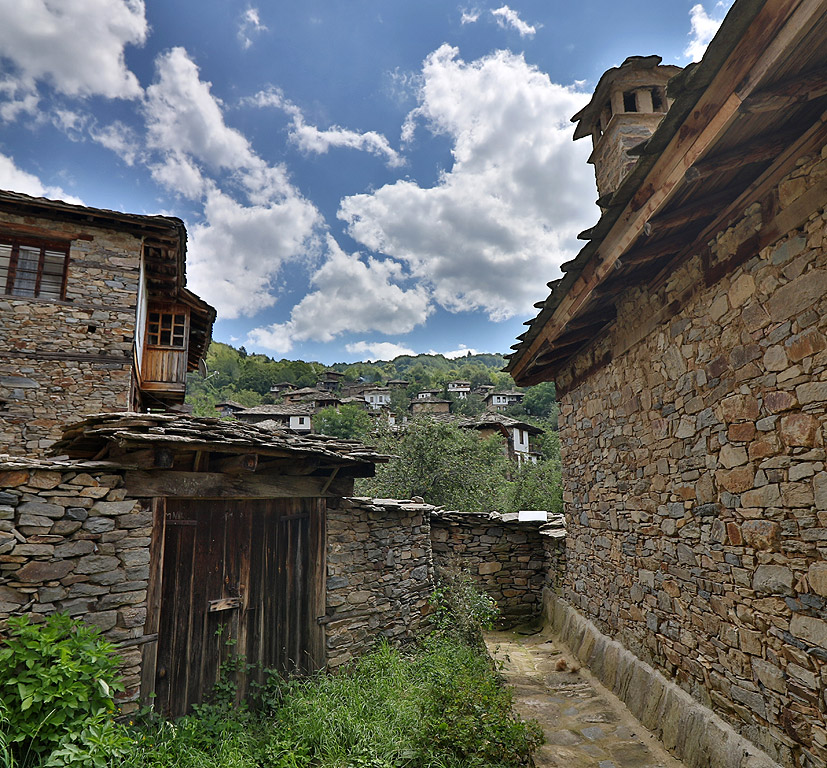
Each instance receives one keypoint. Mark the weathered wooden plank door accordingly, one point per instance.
(241, 579)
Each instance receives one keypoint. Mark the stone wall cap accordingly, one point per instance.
(59, 463)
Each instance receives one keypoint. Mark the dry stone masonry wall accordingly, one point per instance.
(71, 542)
(696, 482)
(379, 574)
(72, 356)
(509, 560)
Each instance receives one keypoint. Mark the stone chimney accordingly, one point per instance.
(628, 104)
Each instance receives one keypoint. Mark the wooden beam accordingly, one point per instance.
(796, 90)
(41, 233)
(651, 250)
(215, 485)
(698, 210)
(774, 32)
(243, 462)
(763, 149)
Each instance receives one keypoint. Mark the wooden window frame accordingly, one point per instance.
(7, 287)
(174, 311)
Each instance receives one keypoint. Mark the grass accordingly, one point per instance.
(441, 706)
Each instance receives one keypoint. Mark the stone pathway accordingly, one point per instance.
(586, 726)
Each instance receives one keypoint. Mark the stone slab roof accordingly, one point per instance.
(96, 435)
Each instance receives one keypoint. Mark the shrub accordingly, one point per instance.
(57, 681)
(461, 608)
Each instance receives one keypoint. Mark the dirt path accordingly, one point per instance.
(586, 726)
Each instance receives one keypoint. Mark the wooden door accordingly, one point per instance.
(240, 579)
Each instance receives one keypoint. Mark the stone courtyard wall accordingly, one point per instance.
(379, 574)
(71, 542)
(695, 480)
(509, 560)
(72, 356)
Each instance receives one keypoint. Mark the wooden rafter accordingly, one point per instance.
(761, 150)
(788, 93)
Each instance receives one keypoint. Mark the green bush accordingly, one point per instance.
(461, 608)
(57, 682)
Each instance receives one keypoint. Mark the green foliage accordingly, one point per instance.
(443, 464)
(347, 421)
(461, 608)
(57, 681)
(536, 486)
(470, 406)
(541, 401)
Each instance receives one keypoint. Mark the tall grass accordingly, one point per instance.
(439, 707)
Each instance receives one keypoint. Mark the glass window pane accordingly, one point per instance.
(25, 276)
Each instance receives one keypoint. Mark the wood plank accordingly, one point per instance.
(761, 150)
(213, 485)
(243, 462)
(42, 233)
(223, 604)
(149, 652)
(786, 94)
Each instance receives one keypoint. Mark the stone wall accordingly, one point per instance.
(696, 486)
(510, 561)
(72, 356)
(380, 574)
(71, 542)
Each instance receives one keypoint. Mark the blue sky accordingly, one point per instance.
(359, 178)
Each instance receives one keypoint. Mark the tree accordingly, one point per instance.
(536, 486)
(541, 401)
(348, 421)
(445, 465)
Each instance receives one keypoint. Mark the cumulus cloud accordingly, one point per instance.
(77, 47)
(463, 351)
(350, 294)
(309, 138)
(249, 25)
(507, 17)
(237, 252)
(378, 350)
(497, 225)
(703, 28)
(119, 138)
(469, 16)
(18, 180)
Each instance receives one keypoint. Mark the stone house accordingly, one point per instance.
(229, 408)
(330, 381)
(186, 539)
(94, 316)
(296, 417)
(459, 388)
(503, 399)
(516, 434)
(377, 397)
(688, 344)
(431, 405)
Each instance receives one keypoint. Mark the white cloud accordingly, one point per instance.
(17, 180)
(77, 47)
(309, 138)
(119, 138)
(349, 295)
(250, 24)
(496, 226)
(507, 17)
(237, 252)
(378, 350)
(469, 16)
(463, 351)
(704, 26)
